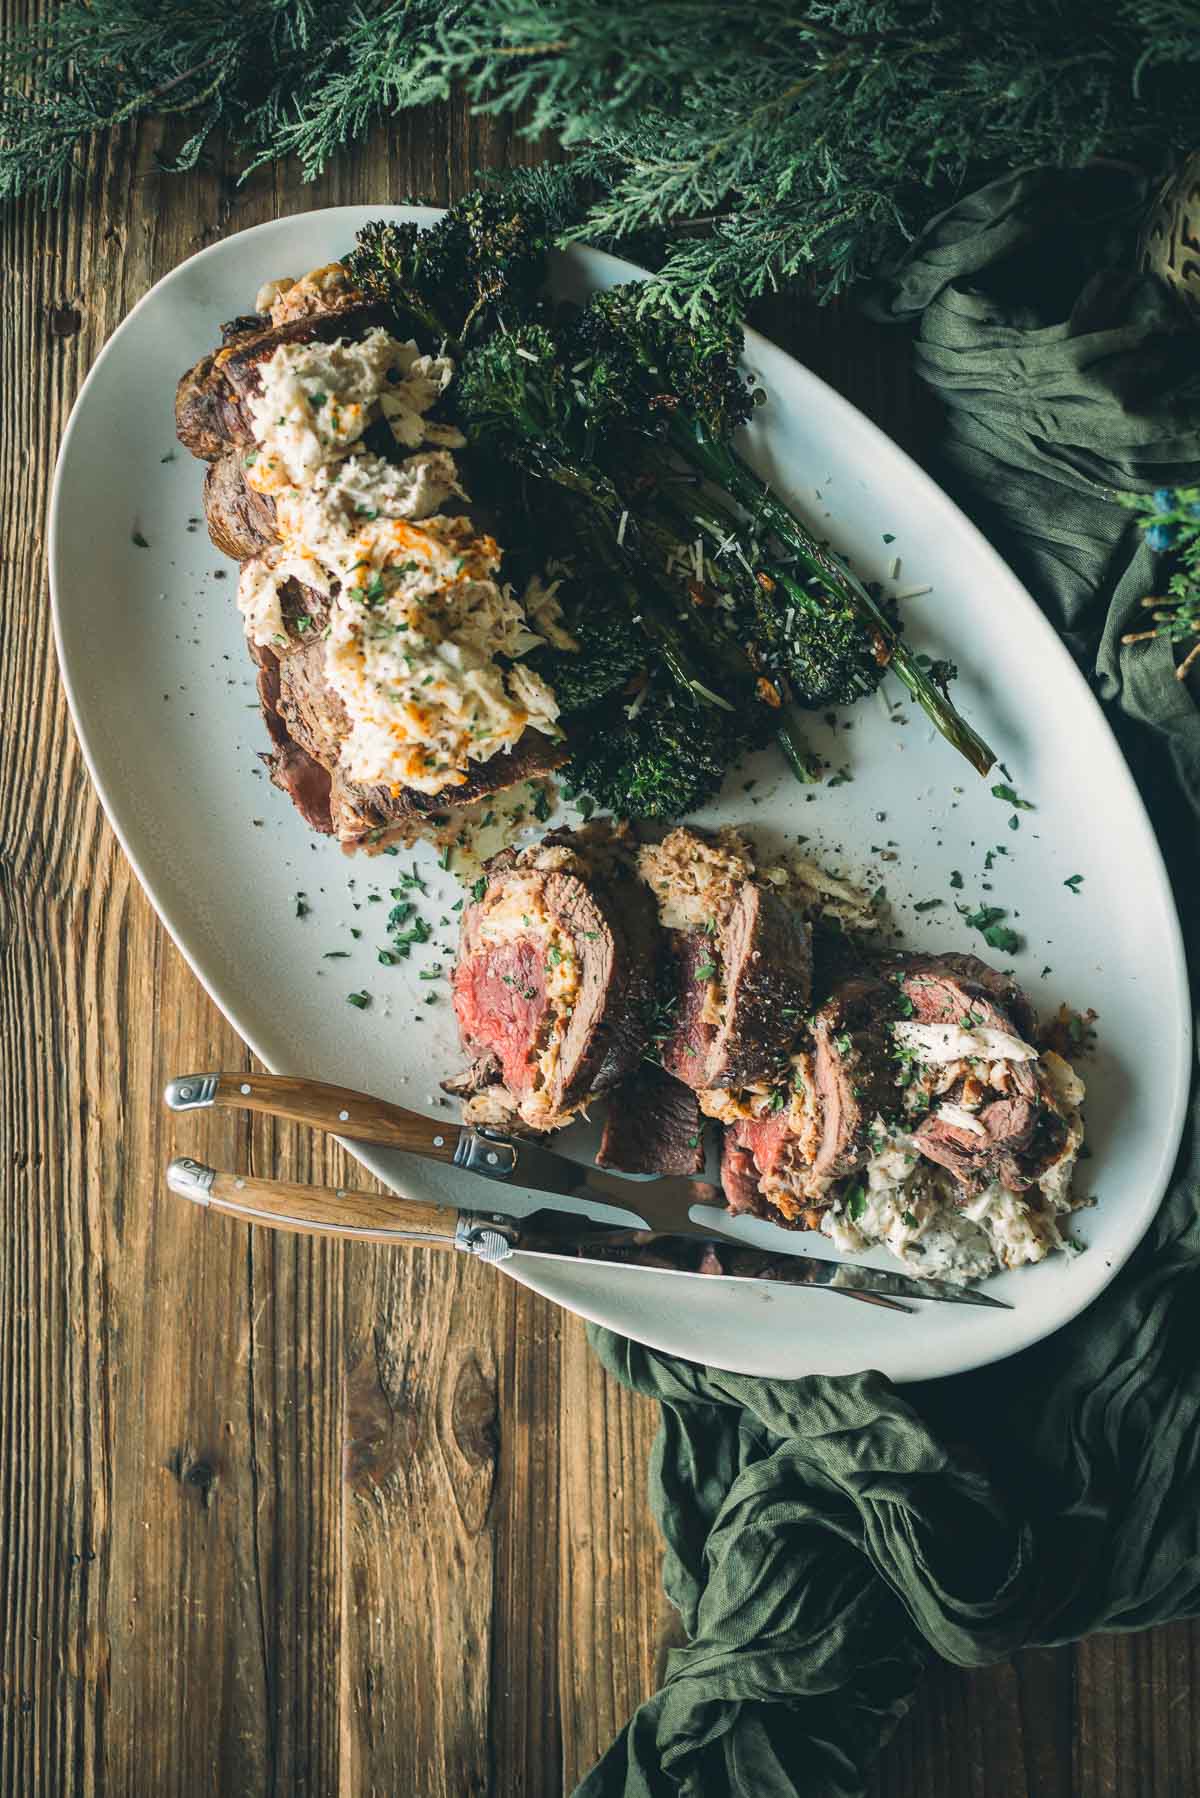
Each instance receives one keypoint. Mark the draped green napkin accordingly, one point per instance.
(826, 1537)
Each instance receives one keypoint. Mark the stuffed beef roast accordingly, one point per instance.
(740, 961)
(390, 650)
(919, 1112)
(554, 983)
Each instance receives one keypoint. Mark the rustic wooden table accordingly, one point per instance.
(280, 1516)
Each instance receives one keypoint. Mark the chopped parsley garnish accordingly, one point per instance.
(301, 906)
(479, 888)
(706, 971)
(844, 1043)
(908, 1220)
(926, 904)
(360, 1001)
(956, 879)
(988, 922)
(541, 803)
(317, 400)
(140, 542)
(586, 805)
(1073, 882)
(429, 974)
(778, 1100)
(336, 955)
(417, 932)
(1009, 797)
(855, 1201)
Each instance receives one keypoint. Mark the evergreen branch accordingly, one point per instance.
(817, 140)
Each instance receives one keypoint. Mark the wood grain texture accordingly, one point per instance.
(280, 1516)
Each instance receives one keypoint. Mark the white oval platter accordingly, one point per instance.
(162, 695)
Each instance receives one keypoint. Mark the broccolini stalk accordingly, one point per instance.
(720, 462)
(641, 373)
(726, 651)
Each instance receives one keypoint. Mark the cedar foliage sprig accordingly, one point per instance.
(761, 142)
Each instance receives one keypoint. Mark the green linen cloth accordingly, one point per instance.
(826, 1537)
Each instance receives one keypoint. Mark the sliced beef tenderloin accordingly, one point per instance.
(963, 990)
(854, 1072)
(653, 1126)
(764, 1171)
(210, 411)
(740, 1174)
(986, 1148)
(555, 974)
(740, 993)
(292, 769)
(241, 522)
(992, 1120)
(308, 724)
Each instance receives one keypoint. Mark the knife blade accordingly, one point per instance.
(548, 1235)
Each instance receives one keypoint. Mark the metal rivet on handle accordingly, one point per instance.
(343, 1117)
(439, 1142)
(492, 1158)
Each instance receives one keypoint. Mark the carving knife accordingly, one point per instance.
(493, 1236)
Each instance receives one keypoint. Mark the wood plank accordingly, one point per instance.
(992, 1732)
(280, 1516)
(611, 1603)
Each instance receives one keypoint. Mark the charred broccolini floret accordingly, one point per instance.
(608, 657)
(817, 645)
(637, 368)
(667, 759)
(480, 266)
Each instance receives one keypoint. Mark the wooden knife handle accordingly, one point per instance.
(315, 1210)
(337, 1109)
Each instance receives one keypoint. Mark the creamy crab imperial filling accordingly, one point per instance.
(418, 617)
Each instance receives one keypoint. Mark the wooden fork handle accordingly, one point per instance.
(337, 1109)
(319, 1210)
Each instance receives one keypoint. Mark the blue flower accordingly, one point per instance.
(1160, 536)
(1164, 499)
